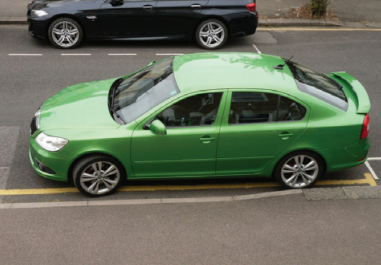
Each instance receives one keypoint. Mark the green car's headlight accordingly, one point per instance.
(51, 143)
(39, 13)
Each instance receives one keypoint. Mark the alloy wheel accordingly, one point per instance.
(299, 171)
(65, 34)
(99, 178)
(212, 34)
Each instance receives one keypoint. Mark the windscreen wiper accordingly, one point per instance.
(111, 94)
(111, 97)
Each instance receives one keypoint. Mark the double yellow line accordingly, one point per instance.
(368, 180)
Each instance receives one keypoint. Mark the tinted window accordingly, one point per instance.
(145, 90)
(197, 110)
(319, 85)
(289, 110)
(257, 107)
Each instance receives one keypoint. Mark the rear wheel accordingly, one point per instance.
(65, 33)
(211, 34)
(299, 170)
(98, 175)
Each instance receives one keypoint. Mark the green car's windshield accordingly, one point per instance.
(319, 85)
(144, 90)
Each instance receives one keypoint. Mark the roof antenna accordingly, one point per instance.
(280, 66)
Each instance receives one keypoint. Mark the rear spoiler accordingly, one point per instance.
(362, 96)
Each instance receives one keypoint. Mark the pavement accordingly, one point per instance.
(349, 13)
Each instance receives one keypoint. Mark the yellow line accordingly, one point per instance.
(37, 191)
(368, 180)
(313, 29)
(371, 180)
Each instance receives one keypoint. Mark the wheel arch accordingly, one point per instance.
(226, 24)
(52, 19)
(70, 176)
(297, 151)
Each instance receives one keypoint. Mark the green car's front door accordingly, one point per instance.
(189, 147)
(257, 128)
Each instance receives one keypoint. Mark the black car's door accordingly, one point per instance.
(178, 17)
(132, 18)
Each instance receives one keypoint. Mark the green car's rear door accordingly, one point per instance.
(257, 127)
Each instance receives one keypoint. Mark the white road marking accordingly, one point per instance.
(122, 54)
(25, 54)
(371, 170)
(373, 158)
(255, 47)
(168, 54)
(75, 54)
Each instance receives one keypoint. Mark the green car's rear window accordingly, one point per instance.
(319, 85)
(145, 89)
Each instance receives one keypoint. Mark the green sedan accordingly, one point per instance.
(207, 115)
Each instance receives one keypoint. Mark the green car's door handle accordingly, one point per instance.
(207, 139)
(285, 135)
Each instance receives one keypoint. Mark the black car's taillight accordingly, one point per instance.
(251, 7)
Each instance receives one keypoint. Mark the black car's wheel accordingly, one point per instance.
(211, 34)
(98, 175)
(65, 33)
(299, 170)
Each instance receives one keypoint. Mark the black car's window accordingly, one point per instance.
(199, 110)
(258, 107)
(144, 90)
(318, 85)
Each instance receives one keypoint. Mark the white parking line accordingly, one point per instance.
(168, 54)
(373, 158)
(122, 54)
(255, 47)
(371, 169)
(25, 54)
(75, 54)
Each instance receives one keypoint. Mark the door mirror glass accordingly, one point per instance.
(157, 127)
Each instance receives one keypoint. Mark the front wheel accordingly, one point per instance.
(65, 33)
(211, 34)
(299, 170)
(98, 175)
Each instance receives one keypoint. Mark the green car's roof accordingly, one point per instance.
(231, 70)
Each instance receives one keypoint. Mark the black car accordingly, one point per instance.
(210, 22)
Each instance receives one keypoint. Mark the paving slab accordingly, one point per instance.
(362, 192)
(317, 194)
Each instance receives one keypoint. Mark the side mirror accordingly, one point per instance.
(117, 2)
(157, 127)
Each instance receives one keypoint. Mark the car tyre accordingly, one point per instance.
(65, 33)
(211, 34)
(299, 170)
(98, 175)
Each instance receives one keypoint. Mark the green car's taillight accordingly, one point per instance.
(365, 127)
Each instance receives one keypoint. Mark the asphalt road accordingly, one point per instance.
(287, 229)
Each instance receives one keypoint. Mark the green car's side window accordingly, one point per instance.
(198, 110)
(259, 107)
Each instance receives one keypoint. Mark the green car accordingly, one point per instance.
(207, 115)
